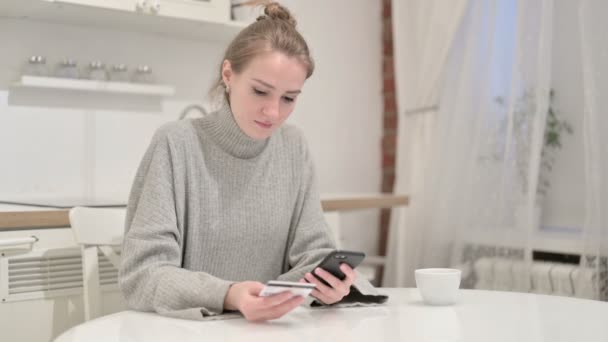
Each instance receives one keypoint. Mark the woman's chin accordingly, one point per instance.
(257, 135)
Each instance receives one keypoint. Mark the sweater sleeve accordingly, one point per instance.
(151, 277)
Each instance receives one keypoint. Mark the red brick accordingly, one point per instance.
(387, 30)
(388, 172)
(388, 47)
(386, 9)
(385, 217)
(390, 122)
(388, 68)
(388, 160)
(390, 131)
(389, 179)
(388, 184)
(387, 63)
(389, 85)
(388, 95)
(389, 142)
(387, 35)
(390, 104)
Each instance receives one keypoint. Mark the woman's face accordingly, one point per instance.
(264, 94)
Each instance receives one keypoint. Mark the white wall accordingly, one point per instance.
(341, 110)
(44, 150)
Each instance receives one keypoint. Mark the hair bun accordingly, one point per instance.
(275, 11)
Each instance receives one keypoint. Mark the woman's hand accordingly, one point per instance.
(337, 290)
(244, 297)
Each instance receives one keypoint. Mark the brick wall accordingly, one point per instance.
(389, 138)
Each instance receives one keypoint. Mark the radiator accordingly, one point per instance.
(41, 287)
(551, 278)
(45, 274)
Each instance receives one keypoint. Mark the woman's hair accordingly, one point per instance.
(275, 30)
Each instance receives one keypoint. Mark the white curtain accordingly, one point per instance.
(477, 144)
(594, 50)
(471, 167)
(423, 31)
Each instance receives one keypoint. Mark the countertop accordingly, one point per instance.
(20, 217)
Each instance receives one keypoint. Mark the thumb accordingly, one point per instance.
(254, 288)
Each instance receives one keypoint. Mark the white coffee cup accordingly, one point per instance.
(438, 286)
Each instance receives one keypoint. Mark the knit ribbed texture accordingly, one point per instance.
(224, 131)
(210, 206)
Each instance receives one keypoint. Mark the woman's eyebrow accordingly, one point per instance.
(266, 84)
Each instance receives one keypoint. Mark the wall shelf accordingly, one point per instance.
(95, 86)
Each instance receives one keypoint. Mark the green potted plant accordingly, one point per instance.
(554, 130)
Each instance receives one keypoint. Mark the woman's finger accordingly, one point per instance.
(328, 277)
(351, 275)
(322, 297)
(283, 308)
(336, 284)
(319, 285)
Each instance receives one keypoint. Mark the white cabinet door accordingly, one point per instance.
(124, 5)
(200, 10)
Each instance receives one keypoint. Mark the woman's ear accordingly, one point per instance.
(227, 72)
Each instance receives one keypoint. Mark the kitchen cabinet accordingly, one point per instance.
(199, 10)
(198, 19)
(123, 5)
(214, 10)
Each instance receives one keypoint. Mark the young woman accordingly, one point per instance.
(224, 203)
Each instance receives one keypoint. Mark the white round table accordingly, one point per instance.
(478, 316)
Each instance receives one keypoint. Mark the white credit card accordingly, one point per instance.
(297, 289)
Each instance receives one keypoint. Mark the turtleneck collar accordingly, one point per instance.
(226, 133)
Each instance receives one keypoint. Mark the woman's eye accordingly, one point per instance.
(288, 99)
(259, 92)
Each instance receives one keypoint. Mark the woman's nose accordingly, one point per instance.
(271, 110)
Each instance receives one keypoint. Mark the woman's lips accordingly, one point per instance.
(263, 125)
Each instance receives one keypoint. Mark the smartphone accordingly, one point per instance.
(333, 260)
